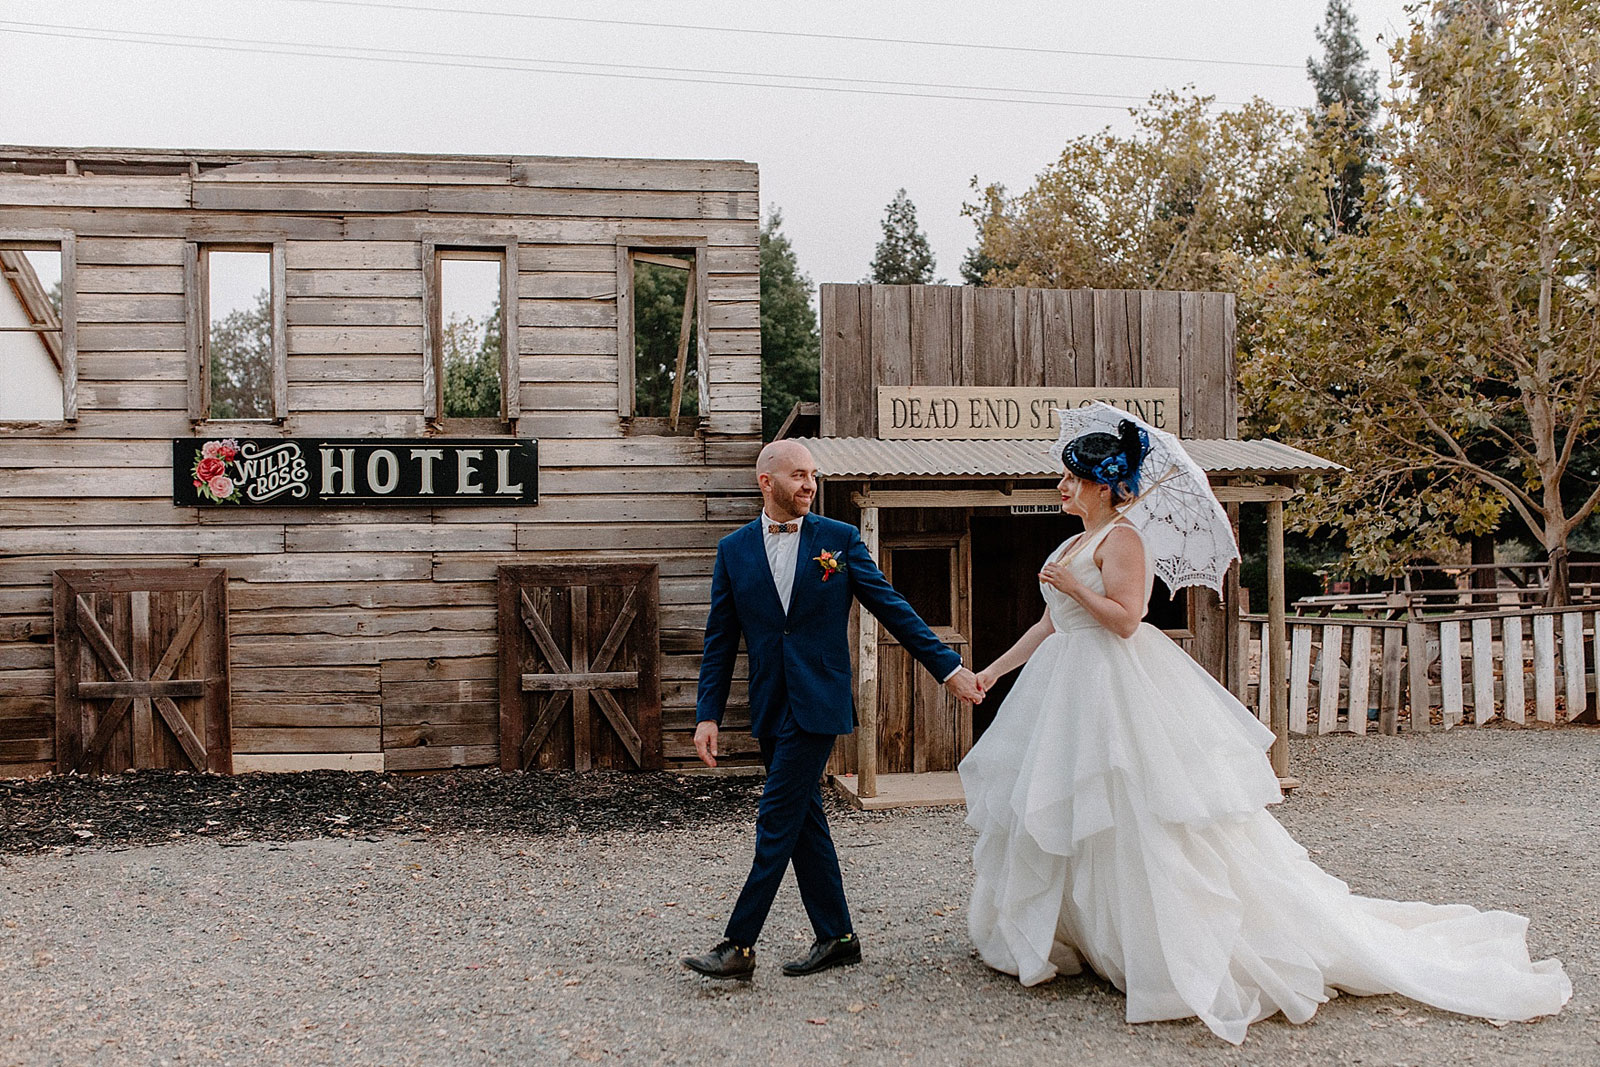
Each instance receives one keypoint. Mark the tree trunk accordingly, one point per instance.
(1484, 582)
(1559, 592)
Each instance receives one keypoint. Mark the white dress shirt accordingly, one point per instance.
(782, 551)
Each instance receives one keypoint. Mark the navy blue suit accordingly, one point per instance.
(801, 698)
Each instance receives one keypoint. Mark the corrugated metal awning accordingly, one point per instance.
(869, 457)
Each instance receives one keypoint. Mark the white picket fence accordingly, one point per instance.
(1472, 667)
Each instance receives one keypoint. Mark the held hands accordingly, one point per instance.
(705, 742)
(986, 678)
(964, 684)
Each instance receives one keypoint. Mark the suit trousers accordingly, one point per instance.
(791, 827)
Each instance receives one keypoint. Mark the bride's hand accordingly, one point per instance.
(987, 678)
(1060, 576)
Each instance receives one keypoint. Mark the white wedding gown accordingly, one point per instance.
(1120, 802)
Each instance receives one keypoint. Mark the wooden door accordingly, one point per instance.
(921, 726)
(142, 670)
(580, 667)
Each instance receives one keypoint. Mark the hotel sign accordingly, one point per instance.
(345, 472)
(1005, 413)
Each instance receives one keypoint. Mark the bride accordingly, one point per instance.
(1120, 802)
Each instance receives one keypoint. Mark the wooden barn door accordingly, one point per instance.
(142, 670)
(580, 667)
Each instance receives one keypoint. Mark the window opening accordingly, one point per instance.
(471, 334)
(32, 338)
(922, 576)
(239, 348)
(666, 382)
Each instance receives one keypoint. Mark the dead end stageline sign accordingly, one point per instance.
(928, 412)
(345, 472)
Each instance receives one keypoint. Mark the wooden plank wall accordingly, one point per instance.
(366, 638)
(952, 335)
(946, 335)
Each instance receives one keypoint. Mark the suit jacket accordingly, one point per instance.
(800, 661)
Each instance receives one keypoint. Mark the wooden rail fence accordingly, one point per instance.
(1429, 671)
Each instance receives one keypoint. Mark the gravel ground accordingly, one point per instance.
(488, 940)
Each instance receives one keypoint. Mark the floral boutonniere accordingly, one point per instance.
(829, 563)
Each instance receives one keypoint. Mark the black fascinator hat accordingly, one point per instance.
(1109, 459)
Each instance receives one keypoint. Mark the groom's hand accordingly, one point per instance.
(964, 684)
(705, 742)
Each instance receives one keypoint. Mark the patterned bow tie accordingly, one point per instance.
(782, 527)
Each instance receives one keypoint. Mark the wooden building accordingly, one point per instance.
(148, 621)
(934, 433)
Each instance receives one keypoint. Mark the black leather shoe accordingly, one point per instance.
(826, 952)
(727, 960)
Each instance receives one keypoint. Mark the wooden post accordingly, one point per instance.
(1417, 672)
(1332, 657)
(1299, 678)
(1572, 663)
(1516, 703)
(1236, 659)
(1451, 700)
(867, 678)
(1393, 648)
(1544, 668)
(1360, 678)
(1277, 626)
(1483, 671)
(1239, 657)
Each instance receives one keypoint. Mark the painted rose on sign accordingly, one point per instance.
(212, 478)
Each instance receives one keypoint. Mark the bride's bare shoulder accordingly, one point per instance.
(1123, 537)
(1126, 531)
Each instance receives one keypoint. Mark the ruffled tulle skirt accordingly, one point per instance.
(1120, 802)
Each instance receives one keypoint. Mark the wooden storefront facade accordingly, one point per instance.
(135, 630)
(933, 434)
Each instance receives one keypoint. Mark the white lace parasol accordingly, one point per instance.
(1179, 517)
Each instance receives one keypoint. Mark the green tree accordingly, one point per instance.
(472, 366)
(790, 342)
(903, 256)
(1343, 121)
(1450, 354)
(240, 346)
(658, 296)
(1184, 202)
(977, 267)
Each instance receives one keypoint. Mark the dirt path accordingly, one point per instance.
(493, 944)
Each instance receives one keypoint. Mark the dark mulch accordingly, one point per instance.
(156, 806)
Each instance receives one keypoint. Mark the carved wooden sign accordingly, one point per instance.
(317, 472)
(1003, 412)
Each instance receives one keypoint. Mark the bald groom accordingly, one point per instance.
(785, 582)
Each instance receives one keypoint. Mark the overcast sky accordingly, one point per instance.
(830, 160)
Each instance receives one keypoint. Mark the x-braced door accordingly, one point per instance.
(580, 667)
(142, 670)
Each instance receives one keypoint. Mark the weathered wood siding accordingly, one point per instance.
(876, 335)
(367, 638)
